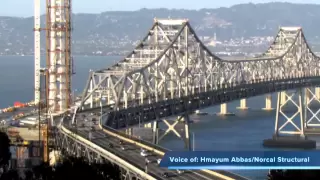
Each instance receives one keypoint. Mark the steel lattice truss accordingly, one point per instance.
(171, 62)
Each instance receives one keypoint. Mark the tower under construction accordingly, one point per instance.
(58, 60)
(58, 71)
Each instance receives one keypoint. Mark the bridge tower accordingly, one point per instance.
(58, 60)
(297, 112)
(179, 126)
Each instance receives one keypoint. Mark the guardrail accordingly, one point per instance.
(106, 153)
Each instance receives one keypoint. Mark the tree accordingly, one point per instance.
(5, 154)
(12, 174)
(78, 168)
(68, 168)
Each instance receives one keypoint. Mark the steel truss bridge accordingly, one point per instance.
(171, 73)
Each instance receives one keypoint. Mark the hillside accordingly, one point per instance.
(112, 32)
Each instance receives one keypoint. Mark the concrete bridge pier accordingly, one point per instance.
(148, 125)
(308, 95)
(290, 129)
(243, 104)
(283, 97)
(155, 130)
(317, 92)
(129, 131)
(268, 106)
(179, 127)
(224, 110)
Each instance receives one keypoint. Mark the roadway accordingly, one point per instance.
(131, 152)
(7, 115)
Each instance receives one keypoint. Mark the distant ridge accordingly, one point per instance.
(118, 30)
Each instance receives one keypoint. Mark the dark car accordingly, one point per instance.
(165, 175)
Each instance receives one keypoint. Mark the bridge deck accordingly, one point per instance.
(132, 154)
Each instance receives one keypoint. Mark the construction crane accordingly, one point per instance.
(37, 75)
(37, 54)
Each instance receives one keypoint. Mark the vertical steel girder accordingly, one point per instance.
(303, 113)
(172, 62)
(69, 145)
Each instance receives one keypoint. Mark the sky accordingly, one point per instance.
(24, 8)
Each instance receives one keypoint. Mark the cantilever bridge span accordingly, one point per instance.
(172, 73)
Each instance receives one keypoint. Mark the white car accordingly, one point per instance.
(159, 161)
(179, 171)
(147, 160)
(143, 153)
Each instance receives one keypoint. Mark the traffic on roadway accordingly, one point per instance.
(135, 155)
(87, 126)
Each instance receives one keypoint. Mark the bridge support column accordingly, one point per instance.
(148, 125)
(183, 134)
(224, 110)
(308, 95)
(129, 131)
(243, 104)
(283, 97)
(290, 129)
(317, 92)
(268, 103)
(155, 132)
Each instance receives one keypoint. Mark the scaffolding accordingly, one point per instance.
(58, 61)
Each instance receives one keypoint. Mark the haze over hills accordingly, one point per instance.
(116, 32)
